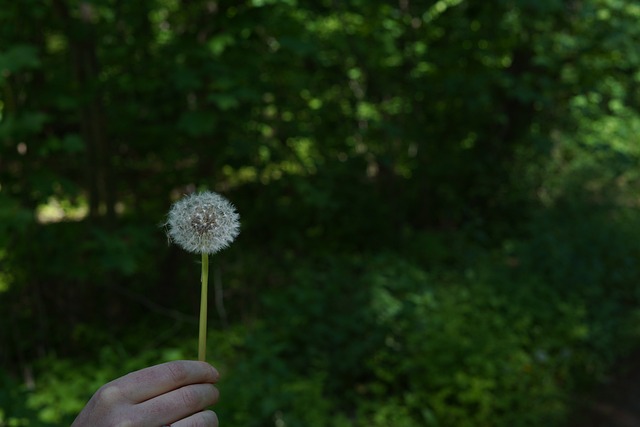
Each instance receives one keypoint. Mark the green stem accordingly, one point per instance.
(202, 339)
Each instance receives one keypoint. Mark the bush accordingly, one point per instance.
(501, 338)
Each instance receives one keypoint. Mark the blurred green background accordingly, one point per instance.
(439, 201)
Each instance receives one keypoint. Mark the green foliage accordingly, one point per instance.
(13, 408)
(438, 199)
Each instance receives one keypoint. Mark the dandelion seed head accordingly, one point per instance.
(203, 223)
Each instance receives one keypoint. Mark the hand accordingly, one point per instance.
(173, 393)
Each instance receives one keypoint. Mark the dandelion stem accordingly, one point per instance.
(202, 338)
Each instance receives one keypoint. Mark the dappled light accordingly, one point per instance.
(440, 207)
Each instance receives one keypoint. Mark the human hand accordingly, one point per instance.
(174, 393)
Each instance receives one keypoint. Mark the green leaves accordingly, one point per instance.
(22, 125)
(18, 58)
(343, 129)
(197, 123)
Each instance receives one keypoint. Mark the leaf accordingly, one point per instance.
(17, 58)
(196, 123)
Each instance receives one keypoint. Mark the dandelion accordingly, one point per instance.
(203, 223)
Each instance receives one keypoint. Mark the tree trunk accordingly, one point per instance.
(93, 126)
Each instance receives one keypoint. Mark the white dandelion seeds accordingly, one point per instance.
(203, 223)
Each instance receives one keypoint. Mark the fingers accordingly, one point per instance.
(178, 404)
(175, 392)
(201, 419)
(147, 383)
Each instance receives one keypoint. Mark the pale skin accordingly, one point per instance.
(174, 393)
